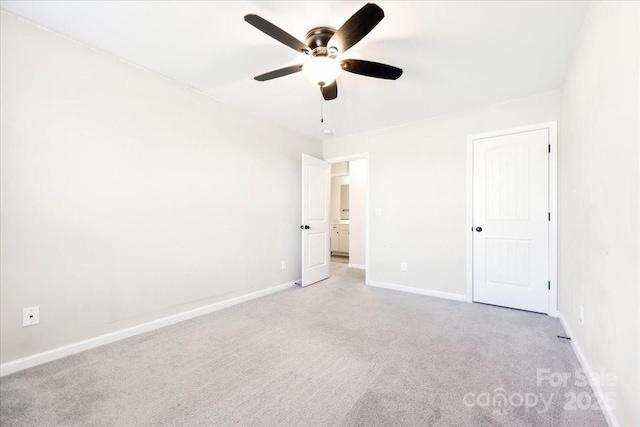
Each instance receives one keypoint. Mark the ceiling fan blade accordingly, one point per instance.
(278, 73)
(330, 92)
(277, 33)
(356, 27)
(371, 69)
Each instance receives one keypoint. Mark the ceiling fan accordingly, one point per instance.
(324, 45)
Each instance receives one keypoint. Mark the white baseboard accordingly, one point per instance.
(606, 410)
(67, 350)
(359, 266)
(419, 291)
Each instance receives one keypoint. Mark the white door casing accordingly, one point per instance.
(511, 208)
(316, 184)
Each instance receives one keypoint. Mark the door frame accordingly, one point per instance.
(552, 128)
(347, 158)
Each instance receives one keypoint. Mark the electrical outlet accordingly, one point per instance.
(284, 265)
(403, 266)
(30, 316)
(378, 212)
(581, 315)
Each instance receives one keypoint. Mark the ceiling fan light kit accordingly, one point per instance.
(324, 44)
(321, 70)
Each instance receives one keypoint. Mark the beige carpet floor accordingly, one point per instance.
(337, 353)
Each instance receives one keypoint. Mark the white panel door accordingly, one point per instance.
(316, 184)
(510, 220)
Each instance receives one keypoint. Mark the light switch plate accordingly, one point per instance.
(378, 211)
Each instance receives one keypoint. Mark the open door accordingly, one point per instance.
(316, 184)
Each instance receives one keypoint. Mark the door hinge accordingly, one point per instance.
(549, 147)
(549, 285)
(549, 216)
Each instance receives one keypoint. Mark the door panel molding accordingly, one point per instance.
(552, 128)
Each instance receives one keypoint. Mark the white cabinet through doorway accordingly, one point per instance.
(340, 238)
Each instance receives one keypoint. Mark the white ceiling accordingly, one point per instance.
(455, 54)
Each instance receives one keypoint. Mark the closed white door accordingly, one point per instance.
(511, 220)
(316, 182)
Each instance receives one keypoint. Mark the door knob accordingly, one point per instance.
(306, 227)
(478, 229)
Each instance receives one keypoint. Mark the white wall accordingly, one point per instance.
(357, 212)
(127, 197)
(340, 168)
(417, 176)
(599, 192)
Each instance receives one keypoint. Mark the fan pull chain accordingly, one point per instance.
(321, 109)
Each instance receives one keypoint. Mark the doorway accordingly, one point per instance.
(344, 198)
(339, 231)
(512, 219)
(348, 226)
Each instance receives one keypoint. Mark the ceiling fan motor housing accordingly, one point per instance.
(317, 39)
